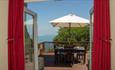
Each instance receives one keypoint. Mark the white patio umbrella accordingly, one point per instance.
(70, 20)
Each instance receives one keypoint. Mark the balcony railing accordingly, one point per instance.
(47, 46)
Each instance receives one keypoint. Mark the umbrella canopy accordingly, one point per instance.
(28, 1)
(70, 20)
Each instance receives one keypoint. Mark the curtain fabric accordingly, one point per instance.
(101, 59)
(15, 35)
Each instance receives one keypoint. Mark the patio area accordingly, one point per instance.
(50, 65)
(74, 67)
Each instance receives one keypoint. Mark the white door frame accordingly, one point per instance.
(34, 16)
(91, 37)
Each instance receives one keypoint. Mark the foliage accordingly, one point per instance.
(72, 35)
(28, 45)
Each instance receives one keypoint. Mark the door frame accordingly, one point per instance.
(34, 16)
(91, 12)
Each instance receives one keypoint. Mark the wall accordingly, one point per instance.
(112, 10)
(3, 35)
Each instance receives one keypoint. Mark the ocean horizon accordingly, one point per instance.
(45, 38)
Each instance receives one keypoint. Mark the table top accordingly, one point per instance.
(73, 50)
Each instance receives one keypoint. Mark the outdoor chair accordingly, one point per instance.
(59, 56)
(80, 55)
(69, 55)
(69, 58)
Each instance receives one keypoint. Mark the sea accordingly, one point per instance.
(48, 38)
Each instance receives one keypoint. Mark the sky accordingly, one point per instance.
(53, 9)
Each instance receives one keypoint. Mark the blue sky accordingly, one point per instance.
(50, 10)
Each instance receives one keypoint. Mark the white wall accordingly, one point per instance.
(3, 35)
(112, 10)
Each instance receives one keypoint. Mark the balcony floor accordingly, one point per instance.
(49, 64)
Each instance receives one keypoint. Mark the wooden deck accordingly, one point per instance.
(50, 65)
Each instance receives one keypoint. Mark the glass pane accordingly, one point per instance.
(29, 46)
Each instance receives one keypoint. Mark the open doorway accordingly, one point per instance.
(47, 46)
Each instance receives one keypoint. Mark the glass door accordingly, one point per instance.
(30, 32)
(29, 46)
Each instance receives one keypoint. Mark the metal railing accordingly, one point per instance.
(47, 46)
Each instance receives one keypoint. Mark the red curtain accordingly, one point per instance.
(15, 35)
(101, 59)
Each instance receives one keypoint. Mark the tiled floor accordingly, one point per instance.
(74, 67)
(49, 64)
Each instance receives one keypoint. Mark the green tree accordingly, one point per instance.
(73, 34)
